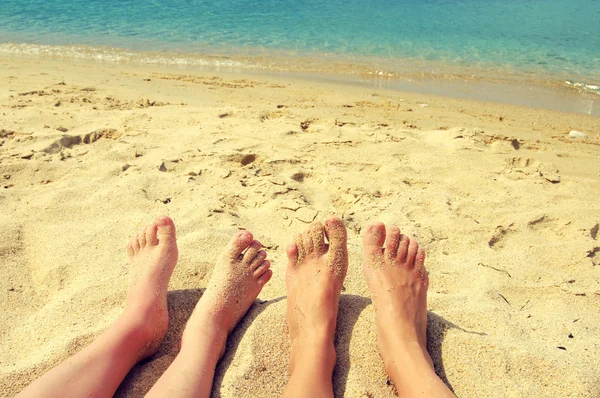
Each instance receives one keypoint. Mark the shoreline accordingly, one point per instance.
(578, 95)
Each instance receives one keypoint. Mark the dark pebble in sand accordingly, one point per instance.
(561, 348)
(298, 177)
(305, 124)
(594, 231)
(570, 335)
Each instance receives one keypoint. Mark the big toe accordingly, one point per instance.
(338, 248)
(240, 242)
(165, 228)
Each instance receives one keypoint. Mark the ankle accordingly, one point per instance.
(133, 337)
(315, 352)
(205, 330)
(406, 359)
(145, 323)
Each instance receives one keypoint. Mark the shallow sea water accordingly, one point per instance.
(557, 40)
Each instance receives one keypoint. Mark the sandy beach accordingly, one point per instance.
(502, 199)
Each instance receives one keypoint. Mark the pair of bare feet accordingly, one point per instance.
(394, 267)
(317, 264)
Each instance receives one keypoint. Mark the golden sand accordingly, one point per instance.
(503, 201)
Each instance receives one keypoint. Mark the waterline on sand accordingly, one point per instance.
(484, 83)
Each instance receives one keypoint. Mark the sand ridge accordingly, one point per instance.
(501, 199)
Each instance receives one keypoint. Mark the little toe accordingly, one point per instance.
(262, 268)
(392, 241)
(420, 265)
(316, 235)
(151, 238)
(413, 247)
(165, 228)
(258, 259)
(292, 254)
(252, 252)
(238, 244)
(265, 277)
(135, 244)
(142, 237)
(338, 246)
(374, 238)
(130, 251)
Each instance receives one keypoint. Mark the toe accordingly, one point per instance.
(258, 259)
(142, 237)
(292, 254)
(262, 268)
(315, 233)
(166, 230)
(301, 250)
(307, 241)
(252, 251)
(402, 249)
(392, 241)
(413, 247)
(151, 238)
(239, 243)
(130, 251)
(338, 247)
(135, 244)
(265, 277)
(374, 238)
(420, 265)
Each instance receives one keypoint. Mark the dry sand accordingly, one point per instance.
(502, 200)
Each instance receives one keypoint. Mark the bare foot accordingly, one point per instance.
(314, 278)
(152, 256)
(237, 279)
(98, 369)
(394, 268)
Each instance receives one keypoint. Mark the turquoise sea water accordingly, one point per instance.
(545, 39)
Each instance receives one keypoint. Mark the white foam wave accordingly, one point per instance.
(115, 55)
(584, 86)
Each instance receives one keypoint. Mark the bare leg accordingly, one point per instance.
(396, 275)
(99, 368)
(237, 279)
(314, 278)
